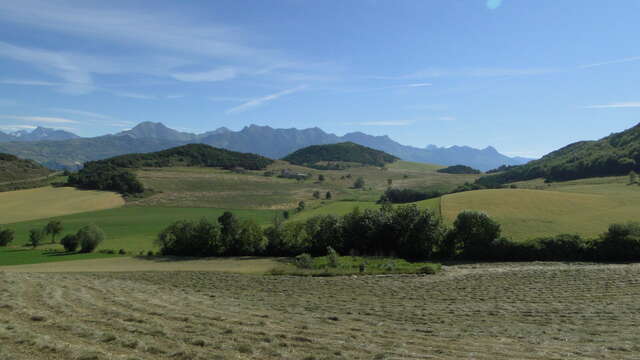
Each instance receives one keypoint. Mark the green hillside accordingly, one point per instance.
(616, 154)
(14, 169)
(322, 156)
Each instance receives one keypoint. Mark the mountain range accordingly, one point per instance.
(73, 151)
(37, 134)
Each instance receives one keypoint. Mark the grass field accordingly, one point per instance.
(44, 202)
(207, 187)
(584, 207)
(485, 312)
(19, 256)
(133, 228)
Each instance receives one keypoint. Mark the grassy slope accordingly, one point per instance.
(584, 207)
(46, 202)
(16, 169)
(133, 228)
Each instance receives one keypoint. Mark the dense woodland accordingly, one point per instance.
(13, 168)
(348, 152)
(459, 169)
(617, 154)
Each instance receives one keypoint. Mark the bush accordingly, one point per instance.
(359, 183)
(35, 237)
(191, 238)
(620, 243)
(70, 242)
(333, 257)
(473, 233)
(89, 237)
(6, 236)
(304, 261)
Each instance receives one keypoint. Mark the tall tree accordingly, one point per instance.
(53, 228)
(35, 237)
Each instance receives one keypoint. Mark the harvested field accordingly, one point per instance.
(489, 311)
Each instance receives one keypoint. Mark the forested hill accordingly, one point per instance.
(191, 155)
(347, 152)
(616, 154)
(13, 168)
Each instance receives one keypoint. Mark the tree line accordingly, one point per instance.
(86, 239)
(403, 231)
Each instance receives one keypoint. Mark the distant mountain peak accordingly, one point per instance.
(37, 134)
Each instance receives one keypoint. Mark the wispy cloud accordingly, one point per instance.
(468, 72)
(610, 62)
(83, 113)
(221, 74)
(227, 99)
(263, 100)
(134, 95)
(382, 123)
(632, 104)
(39, 119)
(28, 82)
(17, 127)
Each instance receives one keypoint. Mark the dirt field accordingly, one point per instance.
(490, 311)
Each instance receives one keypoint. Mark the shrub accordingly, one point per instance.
(70, 242)
(301, 206)
(316, 194)
(89, 238)
(359, 183)
(35, 237)
(6, 236)
(473, 232)
(620, 243)
(122, 252)
(333, 257)
(304, 261)
(328, 195)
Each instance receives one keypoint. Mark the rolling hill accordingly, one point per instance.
(320, 156)
(14, 169)
(263, 140)
(616, 154)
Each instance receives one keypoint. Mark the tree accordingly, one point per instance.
(328, 195)
(191, 238)
(53, 228)
(473, 232)
(389, 182)
(633, 177)
(359, 183)
(301, 205)
(252, 240)
(6, 236)
(229, 232)
(35, 237)
(285, 214)
(70, 242)
(316, 194)
(320, 177)
(89, 237)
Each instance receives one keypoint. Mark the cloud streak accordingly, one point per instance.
(220, 74)
(611, 62)
(253, 103)
(621, 105)
(40, 119)
(382, 123)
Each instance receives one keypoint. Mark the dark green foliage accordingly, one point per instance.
(472, 234)
(320, 177)
(620, 243)
(617, 154)
(459, 169)
(13, 168)
(35, 237)
(191, 238)
(324, 231)
(6, 236)
(53, 228)
(70, 242)
(304, 261)
(192, 155)
(633, 177)
(328, 195)
(301, 206)
(564, 247)
(401, 196)
(314, 156)
(89, 237)
(106, 176)
(359, 183)
(316, 194)
(333, 258)
(286, 239)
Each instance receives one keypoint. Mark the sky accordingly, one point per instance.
(524, 76)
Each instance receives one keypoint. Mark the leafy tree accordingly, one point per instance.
(633, 177)
(191, 238)
(621, 242)
(320, 177)
(333, 257)
(328, 195)
(359, 183)
(389, 182)
(229, 232)
(70, 242)
(285, 214)
(252, 240)
(53, 228)
(35, 237)
(301, 205)
(316, 194)
(6, 236)
(473, 232)
(89, 237)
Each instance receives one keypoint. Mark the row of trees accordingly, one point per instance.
(86, 239)
(403, 231)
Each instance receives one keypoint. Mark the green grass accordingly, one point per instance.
(21, 256)
(133, 228)
(351, 265)
(339, 208)
(586, 207)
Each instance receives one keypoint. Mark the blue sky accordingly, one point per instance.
(524, 76)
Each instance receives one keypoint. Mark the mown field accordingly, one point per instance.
(536, 209)
(488, 311)
(50, 201)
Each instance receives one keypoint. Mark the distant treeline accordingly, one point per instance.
(348, 152)
(403, 231)
(403, 196)
(113, 174)
(459, 169)
(617, 154)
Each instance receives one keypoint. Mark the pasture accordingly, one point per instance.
(45, 202)
(132, 228)
(485, 311)
(586, 207)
